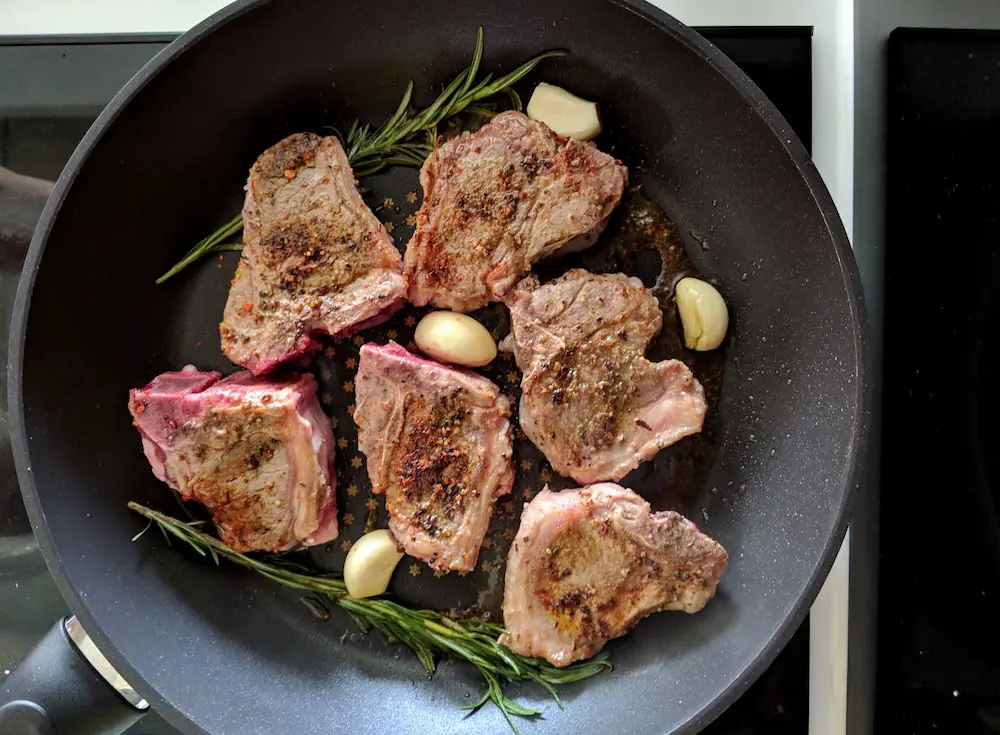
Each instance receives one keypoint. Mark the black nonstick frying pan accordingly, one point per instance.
(217, 650)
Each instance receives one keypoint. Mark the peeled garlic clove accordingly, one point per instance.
(370, 563)
(456, 338)
(564, 112)
(704, 315)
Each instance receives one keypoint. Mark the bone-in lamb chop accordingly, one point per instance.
(315, 259)
(257, 452)
(588, 564)
(438, 444)
(500, 199)
(591, 401)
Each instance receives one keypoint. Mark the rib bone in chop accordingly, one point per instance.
(438, 444)
(315, 259)
(257, 452)
(500, 199)
(588, 564)
(591, 401)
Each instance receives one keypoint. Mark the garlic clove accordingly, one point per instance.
(456, 338)
(370, 563)
(704, 315)
(564, 112)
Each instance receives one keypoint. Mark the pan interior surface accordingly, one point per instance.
(222, 651)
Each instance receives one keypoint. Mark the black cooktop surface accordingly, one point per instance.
(939, 602)
(65, 79)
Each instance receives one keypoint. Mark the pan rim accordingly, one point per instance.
(855, 451)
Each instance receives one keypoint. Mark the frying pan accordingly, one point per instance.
(220, 651)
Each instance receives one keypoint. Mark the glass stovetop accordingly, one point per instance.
(51, 91)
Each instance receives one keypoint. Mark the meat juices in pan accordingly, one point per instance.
(315, 259)
(500, 199)
(256, 451)
(438, 443)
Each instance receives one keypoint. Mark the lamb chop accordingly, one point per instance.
(591, 401)
(500, 199)
(439, 447)
(257, 452)
(315, 259)
(588, 564)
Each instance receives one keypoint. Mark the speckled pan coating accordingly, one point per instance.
(224, 652)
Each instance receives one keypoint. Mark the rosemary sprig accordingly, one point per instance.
(428, 633)
(214, 243)
(405, 139)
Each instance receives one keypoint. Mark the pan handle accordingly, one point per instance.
(66, 686)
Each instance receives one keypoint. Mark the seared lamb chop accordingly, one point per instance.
(588, 564)
(315, 259)
(257, 452)
(591, 401)
(438, 444)
(500, 199)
